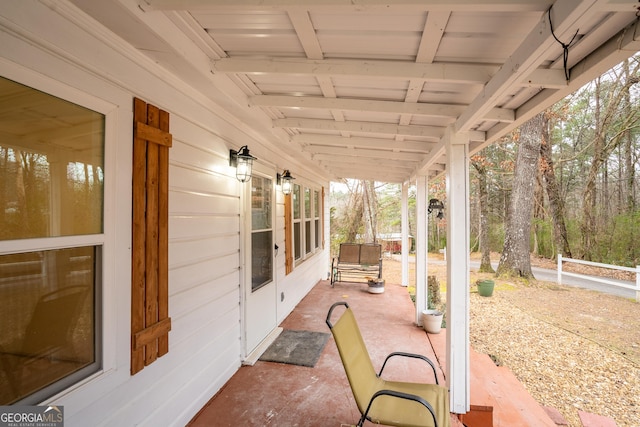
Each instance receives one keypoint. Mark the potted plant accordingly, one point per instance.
(432, 320)
(432, 317)
(485, 287)
(376, 285)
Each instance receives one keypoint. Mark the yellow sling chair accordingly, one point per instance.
(392, 403)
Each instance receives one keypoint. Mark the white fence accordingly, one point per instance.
(636, 270)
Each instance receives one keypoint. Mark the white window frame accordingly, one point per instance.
(107, 350)
(304, 238)
(317, 238)
(297, 246)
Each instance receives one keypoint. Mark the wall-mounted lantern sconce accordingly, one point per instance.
(243, 162)
(436, 204)
(285, 181)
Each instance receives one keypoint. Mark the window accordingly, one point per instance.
(307, 221)
(297, 219)
(51, 207)
(316, 218)
(261, 232)
(303, 224)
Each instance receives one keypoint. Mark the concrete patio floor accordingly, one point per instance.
(275, 394)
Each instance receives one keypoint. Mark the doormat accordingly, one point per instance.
(301, 348)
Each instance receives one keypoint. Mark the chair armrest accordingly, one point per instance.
(414, 356)
(328, 320)
(400, 395)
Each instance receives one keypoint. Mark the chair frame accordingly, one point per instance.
(383, 391)
(54, 318)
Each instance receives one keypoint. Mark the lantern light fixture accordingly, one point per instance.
(243, 162)
(436, 204)
(285, 181)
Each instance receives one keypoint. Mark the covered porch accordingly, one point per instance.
(403, 91)
(269, 393)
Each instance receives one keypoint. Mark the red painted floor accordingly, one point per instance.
(273, 394)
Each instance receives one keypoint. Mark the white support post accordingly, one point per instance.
(405, 234)
(458, 276)
(421, 247)
(559, 269)
(637, 283)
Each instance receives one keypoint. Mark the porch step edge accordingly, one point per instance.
(556, 416)
(593, 420)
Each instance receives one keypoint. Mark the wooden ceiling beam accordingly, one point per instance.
(565, 14)
(346, 5)
(420, 72)
(443, 111)
(364, 163)
(431, 35)
(363, 153)
(361, 142)
(547, 78)
(431, 132)
(404, 70)
(306, 33)
(617, 49)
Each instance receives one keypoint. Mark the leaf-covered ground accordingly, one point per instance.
(573, 349)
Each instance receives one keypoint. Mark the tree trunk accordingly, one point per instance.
(556, 204)
(370, 211)
(588, 226)
(354, 214)
(515, 259)
(604, 208)
(629, 164)
(538, 213)
(485, 261)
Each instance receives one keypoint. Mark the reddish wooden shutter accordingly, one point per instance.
(322, 217)
(288, 235)
(150, 322)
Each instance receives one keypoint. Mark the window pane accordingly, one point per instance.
(51, 165)
(260, 203)
(307, 236)
(261, 233)
(296, 240)
(47, 319)
(317, 233)
(307, 203)
(296, 201)
(261, 259)
(316, 204)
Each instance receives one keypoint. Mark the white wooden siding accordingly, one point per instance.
(70, 53)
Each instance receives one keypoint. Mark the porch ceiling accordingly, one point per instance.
(366, 88)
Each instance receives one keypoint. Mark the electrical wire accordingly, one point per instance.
(565, 47)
